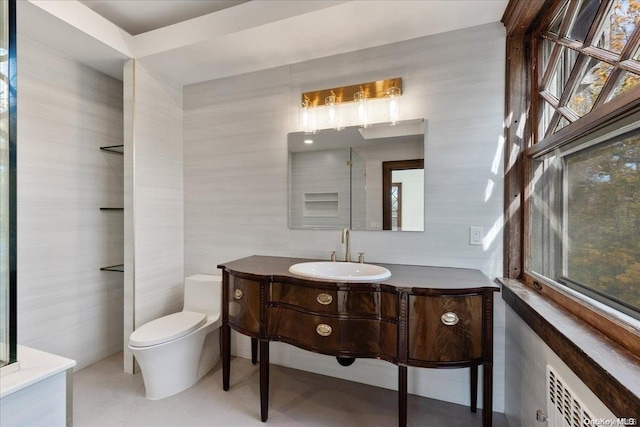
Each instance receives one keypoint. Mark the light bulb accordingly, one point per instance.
(332, 115)
(393, 104)
(360, 98)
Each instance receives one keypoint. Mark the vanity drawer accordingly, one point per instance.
(445, 328)
(337, 300)
(332, 335)
(244, 304)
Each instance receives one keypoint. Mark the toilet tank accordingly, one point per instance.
(203, 294)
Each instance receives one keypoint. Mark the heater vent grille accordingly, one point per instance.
(564, 408)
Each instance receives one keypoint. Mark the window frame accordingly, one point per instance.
(524, 22)
(12, 300)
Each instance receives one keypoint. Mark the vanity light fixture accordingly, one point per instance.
(308, 141)
(363, 95)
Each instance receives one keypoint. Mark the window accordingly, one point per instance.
(588, 56)
(583, 174)
(585, 219)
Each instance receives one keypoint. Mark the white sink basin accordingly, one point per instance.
(340, 271)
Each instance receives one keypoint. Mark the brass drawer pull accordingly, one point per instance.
(323, 330)
(238, 294)
(449, 318)
(324, 299)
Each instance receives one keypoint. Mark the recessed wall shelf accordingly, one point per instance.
(118, 268)
(118, 149)
(321, 205)
(114, 149)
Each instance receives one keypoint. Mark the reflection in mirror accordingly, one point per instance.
(336, 178)
(403, 195)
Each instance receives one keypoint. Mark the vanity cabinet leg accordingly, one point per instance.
(225, 349)
(402, 396)
(487, 394)
(474, 389)
(254, 350)
(264, 380)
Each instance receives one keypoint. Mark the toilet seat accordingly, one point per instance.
(167, 328)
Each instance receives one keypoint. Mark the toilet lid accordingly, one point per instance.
(167, 328)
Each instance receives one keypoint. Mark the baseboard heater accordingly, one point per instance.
(565, 408)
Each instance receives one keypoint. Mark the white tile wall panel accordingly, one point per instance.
(66, 305)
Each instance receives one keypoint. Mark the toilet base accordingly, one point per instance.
(182, 363)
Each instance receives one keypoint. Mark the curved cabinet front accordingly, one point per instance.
(243, 299)
(423, 316)
(445, 330)
(333, 335)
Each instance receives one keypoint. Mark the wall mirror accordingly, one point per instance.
(359, 178)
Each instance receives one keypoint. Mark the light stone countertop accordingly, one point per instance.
(35, 366)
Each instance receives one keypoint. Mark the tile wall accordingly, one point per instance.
(66, 112)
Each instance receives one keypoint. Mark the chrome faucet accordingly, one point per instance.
(345, 239)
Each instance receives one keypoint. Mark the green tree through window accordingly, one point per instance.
(603, 219)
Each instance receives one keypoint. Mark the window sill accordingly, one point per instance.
(611, 372)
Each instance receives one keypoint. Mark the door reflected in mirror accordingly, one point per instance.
(403, 195)
(337, 178)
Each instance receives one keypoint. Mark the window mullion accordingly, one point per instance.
(632, 45)
(568, 114)
(569, 18)
(630, 65)
(608, 87)
(550, 17)
(552, 124)
(596, 25)
(551, 65)
(550, 98)
(573, 79)
(573, 44)
(602, 55)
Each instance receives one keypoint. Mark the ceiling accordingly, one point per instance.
(140, 16)
(190, 41)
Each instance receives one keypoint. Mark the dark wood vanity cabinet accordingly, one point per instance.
(427, 317)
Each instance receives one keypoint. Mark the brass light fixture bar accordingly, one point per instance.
(372, 90)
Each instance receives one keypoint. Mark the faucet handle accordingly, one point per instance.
(333, 256)
(361, 257)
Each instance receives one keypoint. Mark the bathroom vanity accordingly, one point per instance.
(430, 317)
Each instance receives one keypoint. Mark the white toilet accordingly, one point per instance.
(176, 350)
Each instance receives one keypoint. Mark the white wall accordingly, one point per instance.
(235, 172)
(66, 111)
(154, 271)
(526, 388)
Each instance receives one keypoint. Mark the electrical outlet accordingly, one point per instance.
(476, 234)
(541, 416)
